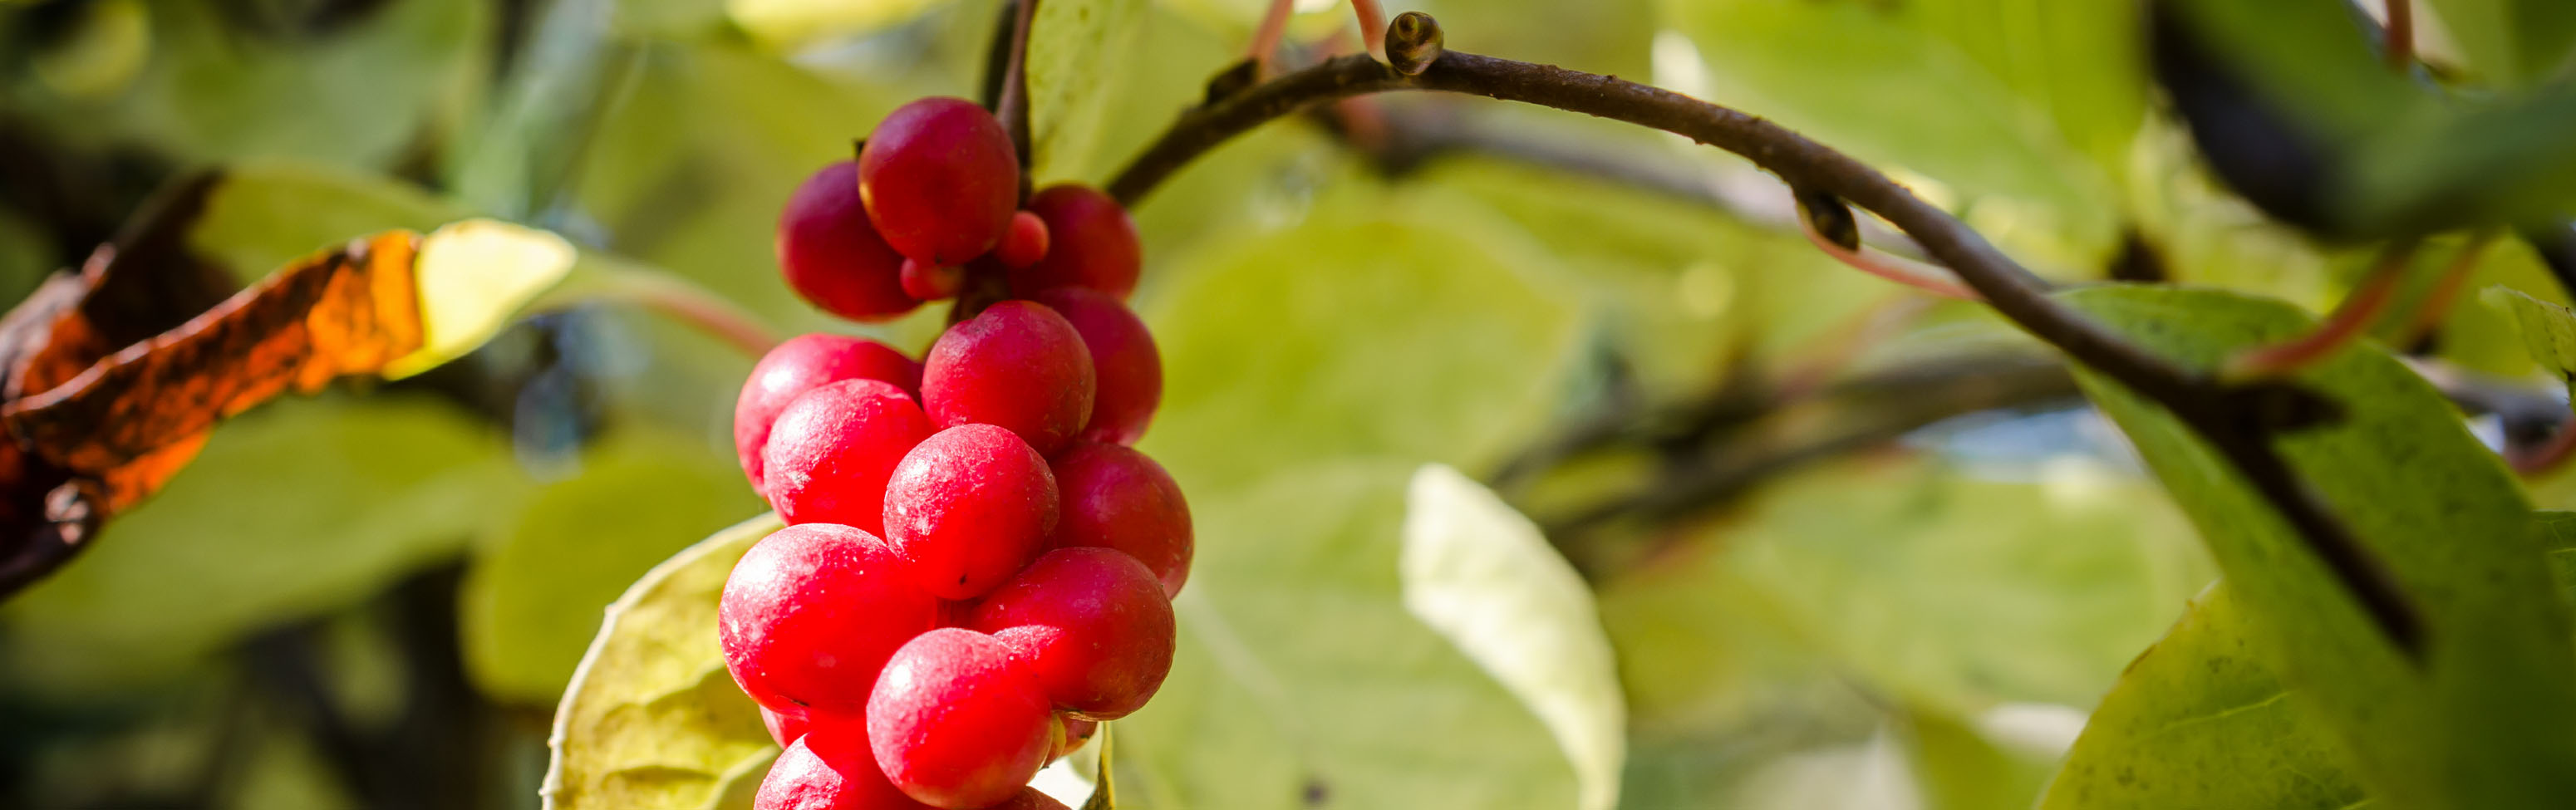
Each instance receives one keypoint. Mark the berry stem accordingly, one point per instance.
(1264, 51)
(2212, 407)
(1012, 107)
(2398, 44)
(2349, 320)
(673, 297)
(2437, 303)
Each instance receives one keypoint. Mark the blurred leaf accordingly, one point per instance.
(2510, 42)
(1954, 593)
(651, 718)
(1301, 679)
(1078, 50)
(566, 77)
(260, 217)
(533, 597)
(2201, 721)
(2480, 721)
(1962, 767)
(1481, 575)
(1295, 345)
(294, 510)
(788, 22)
(2548, 330)
(216, 91)
(2038, 105)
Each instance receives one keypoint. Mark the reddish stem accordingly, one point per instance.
(2340, 328)
(2399, 46)
(1265, 39)
(1372, 26)
(1862, 261)
(2437, 303)
(2546, 457)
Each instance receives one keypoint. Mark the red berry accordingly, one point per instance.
(1025, 243)
(832, 448)
(1018, 365)
(1115, 497)
(1128, 370)
(798, 365)
(784, 727)
(1092, 244)
(955, 722)
(811, 613)
(843, 775)
(968, 507)
(940, 180)
(832, 256)
(1091, 624)
(1073, 733)
(1030, 799)
(931, 282)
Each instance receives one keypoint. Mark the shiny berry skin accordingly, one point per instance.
(843, 775)
(1091, 243)
(940, 180)
(1126, 368)
(798, 365)
(1072, 732)
(968, 507)
(930, 282)
(1018, 365)
(1091, 624)
(784, 727)
(833, 447)
(1030, 799)
(832, 256)
(1116, 497)
(955, 722)
(1025, 243)
(811, 613)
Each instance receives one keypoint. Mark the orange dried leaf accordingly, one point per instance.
(135, 417)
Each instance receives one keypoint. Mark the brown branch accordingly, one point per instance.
(1012, 105)
(2237, 422)
(2398, 39)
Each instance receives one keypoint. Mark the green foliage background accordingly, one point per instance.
(1925, 623)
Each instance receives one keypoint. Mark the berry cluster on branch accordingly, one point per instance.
(977, 567)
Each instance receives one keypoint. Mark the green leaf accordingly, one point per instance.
(295, 509)
(1078, 49)
(261, 216)
(1292, 346)
(790, 22)
(2548, 330)
(651, 718)
(1300, 673)
(2510, 42)
(2480, 721)
(2200, 720)
(1479, 573)
(2029, 134)
(532, 599)
(474, 277)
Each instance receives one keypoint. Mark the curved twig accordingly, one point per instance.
(2220, 413)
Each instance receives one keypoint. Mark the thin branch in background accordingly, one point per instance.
(1013, 105)
(997, 55)
(1930, 280)
(1870, 327)
(2348, 322)
(2221, 413)
(2546, 457)
(1372, 17)
(2398, 37)
(2437, 302)
(1264, 52)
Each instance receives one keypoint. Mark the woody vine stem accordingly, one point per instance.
(2239, 420)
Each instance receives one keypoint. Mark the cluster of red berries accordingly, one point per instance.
(976, 568)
